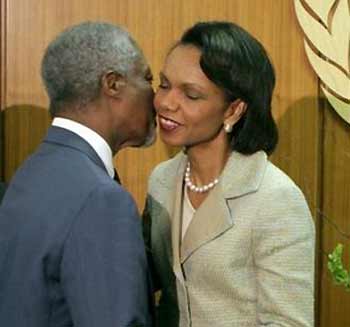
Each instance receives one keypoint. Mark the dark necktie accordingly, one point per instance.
(116, 177)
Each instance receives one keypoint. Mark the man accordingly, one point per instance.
(71, 248)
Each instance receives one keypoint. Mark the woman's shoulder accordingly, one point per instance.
(281, 195)
(276, 180)
(283, 204)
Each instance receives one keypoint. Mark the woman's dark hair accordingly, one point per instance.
(237, 63)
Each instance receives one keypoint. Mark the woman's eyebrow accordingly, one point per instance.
(185, 84)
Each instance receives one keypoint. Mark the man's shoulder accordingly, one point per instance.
(53, 176)
(110, 195)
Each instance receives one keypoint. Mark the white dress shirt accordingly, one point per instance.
(95, 140)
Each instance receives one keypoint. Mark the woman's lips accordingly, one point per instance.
(167, 124)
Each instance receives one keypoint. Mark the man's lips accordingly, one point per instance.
(167, 123)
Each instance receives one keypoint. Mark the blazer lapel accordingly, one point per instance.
(176, 221)
(168, 191)
(242, 175)
(210, 220)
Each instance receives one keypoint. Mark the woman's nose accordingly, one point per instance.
(168, 100)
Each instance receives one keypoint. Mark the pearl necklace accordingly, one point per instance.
(194, 188)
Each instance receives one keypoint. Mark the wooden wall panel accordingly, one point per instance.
(2, 81)
(335, 305)
(24, 128)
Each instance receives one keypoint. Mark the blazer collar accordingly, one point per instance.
(242, 175)
(64, 137)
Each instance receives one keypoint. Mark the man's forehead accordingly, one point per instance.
(141, 69)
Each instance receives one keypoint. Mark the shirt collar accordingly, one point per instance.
(97, 142)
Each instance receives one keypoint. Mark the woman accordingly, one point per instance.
(230, 235)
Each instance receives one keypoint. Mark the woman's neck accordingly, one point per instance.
(207, 162)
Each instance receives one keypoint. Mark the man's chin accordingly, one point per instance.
(150, 140)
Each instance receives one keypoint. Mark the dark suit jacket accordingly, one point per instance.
(71, 249)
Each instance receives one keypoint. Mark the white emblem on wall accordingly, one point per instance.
(326, 24)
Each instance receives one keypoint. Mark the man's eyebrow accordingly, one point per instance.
(162, 75)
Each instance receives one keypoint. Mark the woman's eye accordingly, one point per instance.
(192, 96)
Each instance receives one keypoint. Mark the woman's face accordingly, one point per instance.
(191, 108)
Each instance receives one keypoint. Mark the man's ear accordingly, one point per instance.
(112, 84)
(234, 112)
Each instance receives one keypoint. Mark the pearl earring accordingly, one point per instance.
(228, 128)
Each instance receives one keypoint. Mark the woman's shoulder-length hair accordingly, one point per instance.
(237, 63)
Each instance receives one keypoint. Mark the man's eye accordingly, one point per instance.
(163, 86)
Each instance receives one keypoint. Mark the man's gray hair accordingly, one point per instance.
(74, 62)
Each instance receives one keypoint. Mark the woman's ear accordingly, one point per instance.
(234, 112)
(112, 84)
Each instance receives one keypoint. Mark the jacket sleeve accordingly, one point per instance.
(104, 269)
(284, 248)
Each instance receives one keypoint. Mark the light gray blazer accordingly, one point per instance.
(247, 258)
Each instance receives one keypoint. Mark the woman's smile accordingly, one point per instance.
(167, 124)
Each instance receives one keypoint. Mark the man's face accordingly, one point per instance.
(136, 112)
